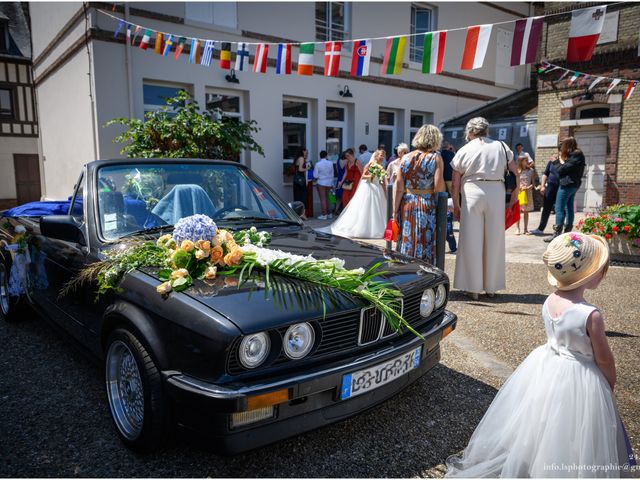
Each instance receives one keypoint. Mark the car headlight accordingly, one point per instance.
(254, 349)
(298, 340)
(427, 302)
(441, 295)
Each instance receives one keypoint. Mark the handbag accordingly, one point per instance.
(299, 181)
(392, 230)
(511, 215)
(347, 185)
(523, 198)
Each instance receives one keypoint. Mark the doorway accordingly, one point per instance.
(27, 173)
(594, 146)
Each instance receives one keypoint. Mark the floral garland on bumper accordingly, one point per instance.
(198, 249)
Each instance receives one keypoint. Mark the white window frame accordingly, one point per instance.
(208, 20)
(344, 124)
(346, 33)
(427, 117)
(228, 93)
(306, 121)
(415, 53)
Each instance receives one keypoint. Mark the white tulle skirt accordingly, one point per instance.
(554, 417)
(365, 215)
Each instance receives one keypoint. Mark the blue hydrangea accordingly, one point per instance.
(194, 228)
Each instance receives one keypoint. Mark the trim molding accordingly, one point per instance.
(503, 9)
(64, 31)
(590, 121)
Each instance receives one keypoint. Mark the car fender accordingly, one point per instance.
(123, 313)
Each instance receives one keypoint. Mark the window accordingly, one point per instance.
(295, 134)
(229, 105)
(387, 130)
(6, 103)
(4, 37)
(336, 128)
(421, 22)
(77, 210)
(593, 111)
(332, 21)
(155, 96)
(417, 120)
(220, 14)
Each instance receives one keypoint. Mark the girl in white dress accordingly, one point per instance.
(556, 415)
(365, 214)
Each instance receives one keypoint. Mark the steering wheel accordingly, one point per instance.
(220, 213)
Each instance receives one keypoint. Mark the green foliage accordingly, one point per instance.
(181, 130)
(615, 220)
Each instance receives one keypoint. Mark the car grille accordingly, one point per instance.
(350, 331)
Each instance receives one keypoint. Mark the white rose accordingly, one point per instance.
(20, 229)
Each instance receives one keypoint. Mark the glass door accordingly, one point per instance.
(335, 131)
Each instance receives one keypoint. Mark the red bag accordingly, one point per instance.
(391, 232)
(511, 215)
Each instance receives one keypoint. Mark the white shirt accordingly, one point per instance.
(482, 159)
(323, 172)
(524, 154)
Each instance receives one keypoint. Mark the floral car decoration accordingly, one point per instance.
(615, 220)
(197, 249)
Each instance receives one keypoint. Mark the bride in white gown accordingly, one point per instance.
(364, 216)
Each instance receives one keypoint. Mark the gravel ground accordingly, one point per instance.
(54, 418)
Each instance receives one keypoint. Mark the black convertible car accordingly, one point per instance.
(217, 358)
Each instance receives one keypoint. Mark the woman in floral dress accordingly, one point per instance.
(419, 179)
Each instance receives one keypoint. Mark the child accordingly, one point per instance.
(526, 190)
(451, 239)
(556, 415)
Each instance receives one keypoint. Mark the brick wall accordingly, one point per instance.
(549, 106)
(629, 146)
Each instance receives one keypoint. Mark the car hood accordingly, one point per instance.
(253, 307)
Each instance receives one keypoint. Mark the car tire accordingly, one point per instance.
(138, 405)
(9, 305)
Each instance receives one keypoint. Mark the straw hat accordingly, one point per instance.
(573, 259)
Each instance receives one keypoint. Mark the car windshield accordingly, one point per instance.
(145, 197)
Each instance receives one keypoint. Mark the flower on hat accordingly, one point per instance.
(574, 239)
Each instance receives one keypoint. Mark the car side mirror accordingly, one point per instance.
(62, 227)
(298, 207)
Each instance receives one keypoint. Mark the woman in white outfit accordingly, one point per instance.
(478, 173)
(365, 214)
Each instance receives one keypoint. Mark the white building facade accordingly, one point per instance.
(85, 77)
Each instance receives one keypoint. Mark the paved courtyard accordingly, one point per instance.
(54, 419)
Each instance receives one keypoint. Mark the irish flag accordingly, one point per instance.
(433, 54)
(586, 25)
(475, 47)
(305, 59)
(393, 56)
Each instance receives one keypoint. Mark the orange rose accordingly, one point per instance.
(187, 245)
(164, 288)
(201, 254)
(234, 257)
(210, 273)
(181, 272)
(204, 245)
(216, 255)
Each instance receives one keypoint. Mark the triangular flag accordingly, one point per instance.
(433, 51)
(135, 34)
(225, 55)
(595, 82)
(180, 47)
(242, 57)
(526, 38)
(305, 59)
(146, 38)
(630, 89)
(260, 60)
(613, 85)
(129, 30)
(361, 58)
(574, 77)
(475, 46)
(586, 25)
(393, 56)
(566, 72)
(332, 52)
(543, 67)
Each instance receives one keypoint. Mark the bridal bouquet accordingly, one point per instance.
(197, 249)
(376, 171)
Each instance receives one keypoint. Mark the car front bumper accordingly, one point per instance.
(313, 397)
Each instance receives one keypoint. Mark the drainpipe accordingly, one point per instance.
(128, 65)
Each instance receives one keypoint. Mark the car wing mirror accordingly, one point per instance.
(62, 227)
(298, 207)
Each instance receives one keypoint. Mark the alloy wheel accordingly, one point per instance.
(125, 390)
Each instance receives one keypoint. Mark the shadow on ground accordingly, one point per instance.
(54, 422)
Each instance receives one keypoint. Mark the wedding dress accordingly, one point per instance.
(554, 417)
(365, 215)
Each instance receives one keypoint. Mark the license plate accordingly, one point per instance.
(362, 381)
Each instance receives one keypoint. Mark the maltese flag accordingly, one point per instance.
(586, 25)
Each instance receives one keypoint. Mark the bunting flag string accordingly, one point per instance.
(545, 68)
(585, 28)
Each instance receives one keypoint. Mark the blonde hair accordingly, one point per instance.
(403, 147)
(478, 127)
(427, 138)
(379, 151)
